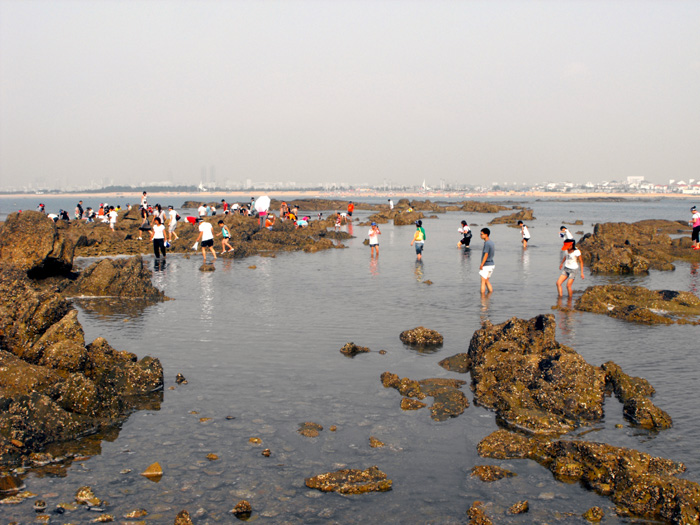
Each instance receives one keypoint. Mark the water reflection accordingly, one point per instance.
(419, 271)
(374, 266)
(565, 317)
(113, 307)
(206, 298)
(694, 277)
(484, 311)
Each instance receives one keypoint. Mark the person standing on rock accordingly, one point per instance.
(158, 237)
(79, 210)
(144, 200)
(525, 233)
(206, 236)
(225, 237)
(172, 215)
(695, 223)
(487, 265)
(112, 218)
(570, 263)
(374, 234)
(391, 205)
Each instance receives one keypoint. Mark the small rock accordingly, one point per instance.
(266, 453)
(255, 441)
(333, 428)
(40, 505)
(519, 508)
(252, 267)
(204, 419)
(154, 472)
(138, 513)
(428, 282)
(10, 483)
(375, 443)
(212, 457)
(183, 518)
(104, 518)
(490, 473)
(85, 496)
(310, 429)
(421, 337)
(351, 350)
(351, 481)
(594, 514)
(408, 403)
(477, 516)
(242, 510)
(382, 352)
(180, 380)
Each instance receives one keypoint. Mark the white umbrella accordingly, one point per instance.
(262, 204)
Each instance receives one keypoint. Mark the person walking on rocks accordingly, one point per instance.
(695, 223)
(173, 216)
(158, 237)
(112, 218)
(206, 236)
(225, 236)
(374, 234)
(569, 264)
(487, 265)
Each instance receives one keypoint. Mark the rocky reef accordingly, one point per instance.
(449, 400)
(351, 481)
(523, 215)
(622, 248)
(421, 338)
(640, 484)
(640, 305)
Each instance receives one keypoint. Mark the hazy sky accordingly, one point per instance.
(469, 92)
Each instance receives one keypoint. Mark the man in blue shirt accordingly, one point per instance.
(487, 264)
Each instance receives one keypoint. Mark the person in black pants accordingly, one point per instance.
(158, 237)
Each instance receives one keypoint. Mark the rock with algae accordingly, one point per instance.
(351, 481)
(448, 400)
(421, 337)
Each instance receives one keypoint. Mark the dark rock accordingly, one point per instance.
(639, 484)
(457, 363)
(624, 386)
(490, 473)
(513, 218)
(421, 337)
(183, 518)
(533, 382)
(180, 379)
(642, 412)
(351, 481)
(242, 510)
(406, 218)
(449, 400)
(351, 350)
(638, 304)
(207, 267)
(31, 242)
(117, 278)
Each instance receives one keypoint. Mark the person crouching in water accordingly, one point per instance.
(158, 237)
(226, 235)
(466, 232)
(570, 263)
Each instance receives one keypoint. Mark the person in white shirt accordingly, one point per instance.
(570, 263)
(206, 236)
(158, 237)
(112, 218)
(172, 214)
(525, 233)
(202, 211)
(374, 234)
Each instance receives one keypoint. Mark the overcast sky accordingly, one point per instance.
(470, 92)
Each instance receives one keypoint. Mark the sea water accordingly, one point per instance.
(258, 341)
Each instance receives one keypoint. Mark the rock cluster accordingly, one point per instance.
(490, 473)
(635, 248)
(351, 481)
(640, 305)
(523, 215)
(640, 484)
(449, 400)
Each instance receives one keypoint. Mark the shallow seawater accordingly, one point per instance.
(261, 347)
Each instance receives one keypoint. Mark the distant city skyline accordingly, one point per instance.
(356, 92)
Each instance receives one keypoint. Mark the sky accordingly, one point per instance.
(356, 92)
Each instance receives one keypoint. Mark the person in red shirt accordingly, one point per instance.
(351, 208)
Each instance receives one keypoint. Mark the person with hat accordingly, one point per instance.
(695, 223)
(374, 234)
(569, 264)
(418, 240)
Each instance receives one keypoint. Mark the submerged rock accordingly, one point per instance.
(351, 350)
(242, 510)
(309, 429)
(520, 507)
(477, 515)
(490, 473)
(638, 304)
(421, 337)
(351, 481)
(638, 483)
(594, 514)
(449, 400)
(183, 518)
(457, 363)
(523, 215)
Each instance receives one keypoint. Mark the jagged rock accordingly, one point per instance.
(85, 496)
(351, 350)
(421, 337)
(642, 412)
(116, 278)
(351, 481)
(411, 404)
(375, 443)
(406, 218)
(594, 514)
(522, 215)
(183, 518)
(31, 242)
(532, 381)
(309, 429)
(638, 483)
(625, 386)
(242, 510)
(490, 473)
(638, 304)
(180, 379)
(477, 515)
(634, 248)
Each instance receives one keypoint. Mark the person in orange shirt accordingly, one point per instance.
(351, 208)
(269, 221)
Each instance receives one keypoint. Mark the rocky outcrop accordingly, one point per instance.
(618, 247)
(449, 400)
(31, 242)
(127, 277)
(406, 218)
(523, 215)
(53, 387)
(638, 483)
(640, 305)
(351, 350)
(351, 481)
(533, 382)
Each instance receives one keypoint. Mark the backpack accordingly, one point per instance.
(177, 216)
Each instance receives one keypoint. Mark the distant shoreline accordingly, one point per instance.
(245, 195)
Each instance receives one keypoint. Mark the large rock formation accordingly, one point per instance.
(523, 215)
(532, 381)
(640, 484)
(53, 387)
(618, 247)
(127, 277)
(640, 305)
(31, 242)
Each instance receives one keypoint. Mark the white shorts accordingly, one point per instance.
(486, 271)
(172, 227)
